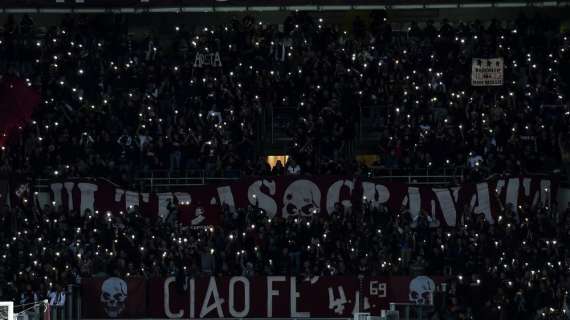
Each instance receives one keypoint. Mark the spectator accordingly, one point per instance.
(117, 107)
(292, 167)
(56, 297)
(368, 240)
(124, 113)
(278, 169)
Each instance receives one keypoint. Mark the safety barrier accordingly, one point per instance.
(69, 310)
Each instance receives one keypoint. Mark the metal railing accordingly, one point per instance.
(70, 310)
(441, 176)
(164, 180)
(430, 180)
(168, 181)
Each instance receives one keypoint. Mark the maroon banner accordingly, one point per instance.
(306, 196)
(111, 297)
(259, 297)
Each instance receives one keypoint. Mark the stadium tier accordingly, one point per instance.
(296, 165)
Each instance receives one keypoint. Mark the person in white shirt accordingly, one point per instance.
(293, 168)
(56, 299)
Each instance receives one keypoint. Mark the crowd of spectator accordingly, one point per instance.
(117, 104)
(514, 269)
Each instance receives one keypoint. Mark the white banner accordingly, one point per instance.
(207, 59)
(487, 72)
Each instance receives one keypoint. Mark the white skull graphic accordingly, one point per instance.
(421, 290)
(113, 296)
(301, 197)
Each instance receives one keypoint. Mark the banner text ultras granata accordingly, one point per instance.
(303, 196)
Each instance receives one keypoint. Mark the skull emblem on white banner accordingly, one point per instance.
(114, 296)
(301, 197)
(421, 290)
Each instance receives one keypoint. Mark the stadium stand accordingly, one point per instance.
(113, 105)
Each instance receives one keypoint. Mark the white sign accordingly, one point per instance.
(487, 72)
(207, 59)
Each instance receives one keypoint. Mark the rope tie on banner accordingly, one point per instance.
(32, 305)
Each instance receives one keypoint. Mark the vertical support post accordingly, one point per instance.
(78, 304)
(69, 301)
(272, 126)
(360, 124)
(361, 300)
(420, 312)
(444, 295)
